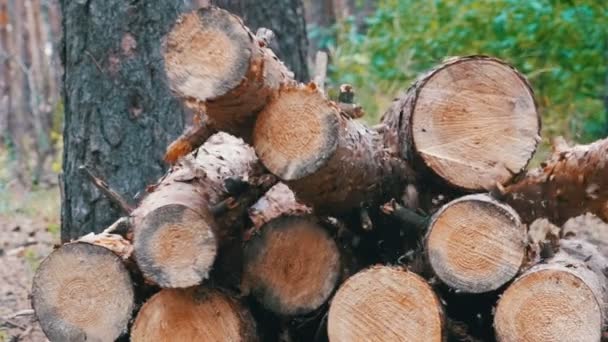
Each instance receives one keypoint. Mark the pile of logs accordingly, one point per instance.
(283, 218)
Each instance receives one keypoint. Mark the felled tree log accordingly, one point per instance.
(572, 182)
(83, 292)
(211, 57)
(562, 299)
(331, 162)
(472, 121)
(476, 244)
(385, 304)
(185, 218)
(278, 201)
(195, 314)
(292, 266)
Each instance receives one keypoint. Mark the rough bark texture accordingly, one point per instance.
(286, 19)
(572, 182)
(331, 162)
(292, 266)
(83, 292)
(196, 314)
(562, 299)
(476, 244)
(385, 304)
(471, 121)
(119, 112)
(278, 201)
(177, 227)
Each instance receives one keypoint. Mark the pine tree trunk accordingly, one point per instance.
(119, 112)
(286, 19)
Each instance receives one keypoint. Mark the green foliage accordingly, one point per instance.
(560, 45)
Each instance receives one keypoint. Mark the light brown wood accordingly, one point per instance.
(292, 266)
(331, 162)
(472, 121)
(383, 304)
(563, 299)
(83, 292)
(196, 314)
(476, 244)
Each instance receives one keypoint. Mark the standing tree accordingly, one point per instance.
(286, 19)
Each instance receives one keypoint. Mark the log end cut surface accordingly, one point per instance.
(193, 315)
(207, 53)
(296, 132)
(475, 122)
(82, 292)
(476, 244)
(174, 246)
(293, 267)
(385, 304)
(548, 305)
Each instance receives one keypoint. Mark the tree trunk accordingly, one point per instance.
(83, 292)
(384, 303)
(5, 75)
(572, 182)
(119, 112)
(195, 314)
(476, 244)
(286, 19)
(562, 299)
(472, 122)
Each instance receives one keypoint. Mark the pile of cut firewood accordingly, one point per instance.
(282, 218)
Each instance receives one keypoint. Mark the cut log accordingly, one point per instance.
(572, 182)
(176, 236)
(195, 314)
(385, 304)
(83, 292)
(211, 57)
(292, 266)
(476, 244)
(563, 299)
(331, 162)
(278, 201)
(472, 121)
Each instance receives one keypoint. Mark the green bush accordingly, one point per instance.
(560, 45)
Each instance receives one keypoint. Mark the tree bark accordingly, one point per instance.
(471, 122)
(195, 314)
(383, 303)
(119, 113)
(286, 19)
(562, 299)
(83, 292)
(572, 182)
(476, 244)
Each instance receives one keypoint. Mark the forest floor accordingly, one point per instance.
(29, 227)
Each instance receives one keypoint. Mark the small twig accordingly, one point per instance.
(405, 215)
(122, 227)
(105, 189)
(25, 312)
(346, 102)
(95, 61)
(8, 321)
(366, 221)
(320, 69)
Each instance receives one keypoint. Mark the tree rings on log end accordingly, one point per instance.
(174, 246)
(207, 53)
(475, 122)
(195, 314)
(297, 132)
(292, 267)
(476, 244)
(548, 305)
(385, 304)
(82, 292)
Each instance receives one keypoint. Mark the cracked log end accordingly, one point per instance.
(82, 292)
(296, 133)
(476, 244)
(194, 314)
(385, 304)
(548, 305)
(292, 267)
(207, 54)
(474, 122)
(174, 246)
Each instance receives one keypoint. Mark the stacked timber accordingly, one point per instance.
(283, 218)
